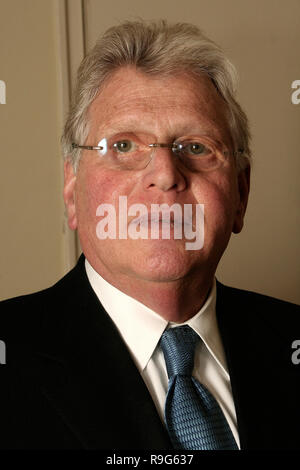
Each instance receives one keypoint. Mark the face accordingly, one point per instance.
(165, 109)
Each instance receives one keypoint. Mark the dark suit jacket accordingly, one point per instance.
(69, 381)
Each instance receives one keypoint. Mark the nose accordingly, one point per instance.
(163, 172)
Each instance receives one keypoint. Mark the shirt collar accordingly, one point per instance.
(141, 328)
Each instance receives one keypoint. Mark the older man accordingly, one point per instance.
(139, 347)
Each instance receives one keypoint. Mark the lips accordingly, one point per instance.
(157, 217)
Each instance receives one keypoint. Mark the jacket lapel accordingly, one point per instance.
(89, 377)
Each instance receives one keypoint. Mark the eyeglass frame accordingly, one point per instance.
(161, 145)
(171, 146)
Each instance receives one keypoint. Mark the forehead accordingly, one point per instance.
(154, 104)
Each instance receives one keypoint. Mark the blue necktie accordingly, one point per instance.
(194, 419)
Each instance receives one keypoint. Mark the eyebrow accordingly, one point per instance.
(131, 124)
(125, 127)
(140, 128)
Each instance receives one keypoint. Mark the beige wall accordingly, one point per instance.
(260, 36)
(31, 206)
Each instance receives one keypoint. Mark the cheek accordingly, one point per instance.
(220, 199)
(90, 192)
(97, 187)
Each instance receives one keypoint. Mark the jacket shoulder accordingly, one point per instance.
(257, 309)
(28, 312)
(254, 298)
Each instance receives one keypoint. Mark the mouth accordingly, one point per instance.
(154, 218)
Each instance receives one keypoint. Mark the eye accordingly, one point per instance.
(195, 148)
(124, 146)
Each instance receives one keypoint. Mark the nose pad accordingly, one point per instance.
(165, 174)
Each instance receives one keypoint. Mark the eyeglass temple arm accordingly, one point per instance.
(86, 147)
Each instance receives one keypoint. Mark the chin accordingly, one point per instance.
(164, 261)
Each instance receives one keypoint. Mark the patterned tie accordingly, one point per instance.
(193, 417)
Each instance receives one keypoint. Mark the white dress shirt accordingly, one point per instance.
(141, 329)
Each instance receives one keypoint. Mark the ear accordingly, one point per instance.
(243, 188)
(69, 194)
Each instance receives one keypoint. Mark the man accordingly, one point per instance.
(139, 347)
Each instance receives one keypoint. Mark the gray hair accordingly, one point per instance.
(155, 48)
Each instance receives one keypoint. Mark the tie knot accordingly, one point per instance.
(178, 345)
